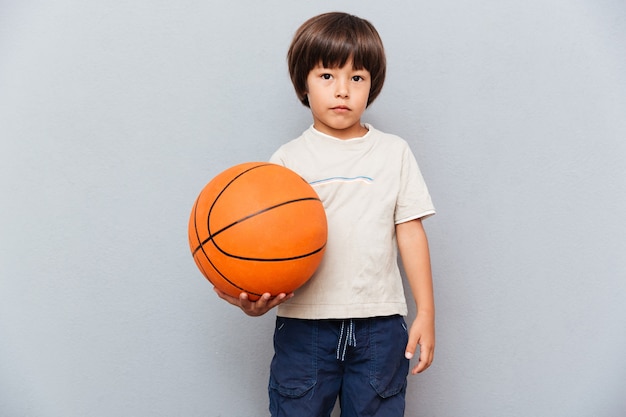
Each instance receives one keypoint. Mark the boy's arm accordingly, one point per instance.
(413, 247)
(254, 308)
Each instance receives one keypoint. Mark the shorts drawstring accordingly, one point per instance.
(347, 338)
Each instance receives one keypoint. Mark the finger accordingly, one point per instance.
(411, 347)
(275, 301)
(279, 299)
(244, 302)
(263, 300)
(425, 359)
(257, 307)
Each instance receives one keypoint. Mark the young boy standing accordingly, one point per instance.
(343, 335)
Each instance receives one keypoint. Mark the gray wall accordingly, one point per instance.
(114, 114)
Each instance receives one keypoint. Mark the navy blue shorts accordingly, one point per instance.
(359, 361)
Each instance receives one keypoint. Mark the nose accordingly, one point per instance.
(341, 89)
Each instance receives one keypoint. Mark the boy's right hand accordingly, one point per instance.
(254, 308)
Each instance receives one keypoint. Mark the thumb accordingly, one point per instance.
(411, 346)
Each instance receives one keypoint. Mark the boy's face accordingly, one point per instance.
(338, 98)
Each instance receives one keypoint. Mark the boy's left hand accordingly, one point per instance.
(422, 333)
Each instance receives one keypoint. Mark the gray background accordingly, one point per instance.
(114, 114)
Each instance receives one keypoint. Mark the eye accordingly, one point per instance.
(357, 78)
(326, 76)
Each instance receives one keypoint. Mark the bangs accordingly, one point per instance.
(335, 52)
(342, 40)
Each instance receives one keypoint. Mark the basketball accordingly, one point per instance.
(257, 227)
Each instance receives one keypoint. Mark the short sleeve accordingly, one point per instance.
(413, 201)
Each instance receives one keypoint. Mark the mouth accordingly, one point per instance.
(341, 108)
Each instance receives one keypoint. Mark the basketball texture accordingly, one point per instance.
(257, 227)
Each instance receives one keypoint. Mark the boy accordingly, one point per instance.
(343, 335)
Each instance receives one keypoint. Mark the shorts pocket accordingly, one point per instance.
(389, 367)
(293, 369)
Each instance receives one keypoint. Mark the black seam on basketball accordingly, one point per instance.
(243, 219)
(292, 258)
(222, 275)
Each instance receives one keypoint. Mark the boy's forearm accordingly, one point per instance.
(413, 247)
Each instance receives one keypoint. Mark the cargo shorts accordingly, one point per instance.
(358, 361)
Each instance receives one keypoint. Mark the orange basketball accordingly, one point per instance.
(257, 227)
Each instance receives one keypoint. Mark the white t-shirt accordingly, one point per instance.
(367, 185)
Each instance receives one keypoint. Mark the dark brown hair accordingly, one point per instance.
(332, 39)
